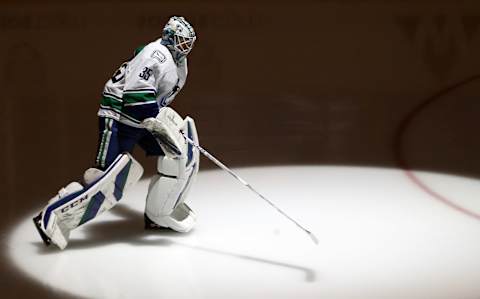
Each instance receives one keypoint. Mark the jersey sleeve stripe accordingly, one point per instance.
(141, 97)
(141, 103)
(111, 95)
(111, 102)
(140, 90)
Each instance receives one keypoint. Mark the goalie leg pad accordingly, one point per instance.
(168, 189)
(75, 205)
(54, 231)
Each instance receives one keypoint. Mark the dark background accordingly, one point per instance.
(367, 83)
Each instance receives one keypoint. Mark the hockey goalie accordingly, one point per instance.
(134, 111)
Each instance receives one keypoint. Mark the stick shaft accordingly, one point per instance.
(236, 176)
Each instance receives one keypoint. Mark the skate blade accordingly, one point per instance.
(45, 238)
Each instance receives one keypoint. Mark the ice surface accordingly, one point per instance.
(380, 236)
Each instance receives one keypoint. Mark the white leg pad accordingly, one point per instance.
(55, 229)
(91, 175)
(75, 205)
(182, 219)
(168, 189)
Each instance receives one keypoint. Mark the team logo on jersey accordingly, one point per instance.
(146, 73)
(159, 56)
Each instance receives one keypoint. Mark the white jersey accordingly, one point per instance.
(149, 81)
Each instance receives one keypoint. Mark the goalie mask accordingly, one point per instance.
(178, 36)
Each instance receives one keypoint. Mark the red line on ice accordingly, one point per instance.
(398, 146)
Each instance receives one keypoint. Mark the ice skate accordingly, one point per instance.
(45, 238)
(150, 225)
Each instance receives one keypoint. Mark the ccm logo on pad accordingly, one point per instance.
(74, 204)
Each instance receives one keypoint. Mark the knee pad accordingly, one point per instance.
(169, 188)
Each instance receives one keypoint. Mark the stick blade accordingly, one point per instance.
(313, 237)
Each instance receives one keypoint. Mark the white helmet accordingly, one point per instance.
(178, 36)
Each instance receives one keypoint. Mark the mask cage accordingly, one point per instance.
(183, 44)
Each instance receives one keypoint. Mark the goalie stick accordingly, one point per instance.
(237, 177)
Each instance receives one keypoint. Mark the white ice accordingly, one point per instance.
(380, 237)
